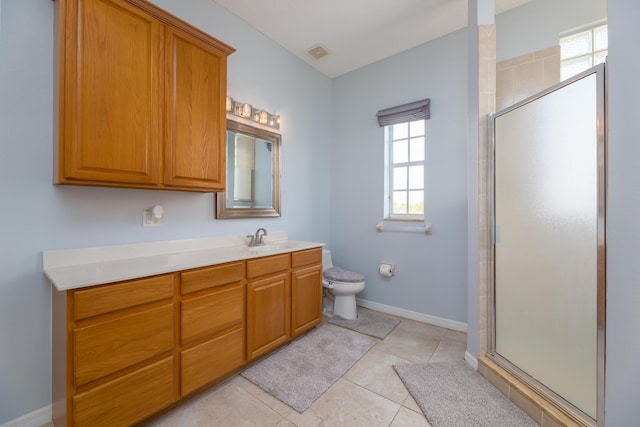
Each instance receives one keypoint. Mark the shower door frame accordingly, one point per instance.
(601, 129)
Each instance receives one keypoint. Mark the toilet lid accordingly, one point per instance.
(337, 274)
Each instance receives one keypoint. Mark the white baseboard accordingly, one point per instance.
(413, 315)
(471, 360)
(33, 419)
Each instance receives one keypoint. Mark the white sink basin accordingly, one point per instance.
(270, 247)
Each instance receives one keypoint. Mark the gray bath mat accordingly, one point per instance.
(368, 323)
(452, 394)
(299, 373)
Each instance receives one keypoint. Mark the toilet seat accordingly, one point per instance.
(342, 287)
(346, 277)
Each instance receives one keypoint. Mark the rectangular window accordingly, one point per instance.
(405, 160)
(582, 49)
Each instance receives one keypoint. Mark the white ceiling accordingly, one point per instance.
(357, 32)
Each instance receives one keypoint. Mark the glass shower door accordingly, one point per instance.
(549, 240)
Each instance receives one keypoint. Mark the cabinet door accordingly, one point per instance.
(268, 314)
(109, 96)
(306, 299)
(195, 140)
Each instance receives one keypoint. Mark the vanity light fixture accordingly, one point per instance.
(274, 121)
(247, 111)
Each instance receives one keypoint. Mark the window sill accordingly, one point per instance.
(404, 219)
(382, 227)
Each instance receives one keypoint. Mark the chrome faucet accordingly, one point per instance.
(257, 239)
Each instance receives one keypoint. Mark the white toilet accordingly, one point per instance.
(343, 285)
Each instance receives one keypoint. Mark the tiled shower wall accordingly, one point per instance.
(487, 105)
(520, 77)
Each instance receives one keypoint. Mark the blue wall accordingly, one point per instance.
(536, 25)
(37, 216)
(430, 270)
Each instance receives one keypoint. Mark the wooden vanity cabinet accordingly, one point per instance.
(141, 98)
(212, 324)
(119, 341)
(125, 351)
(268, 304)
(306, 290)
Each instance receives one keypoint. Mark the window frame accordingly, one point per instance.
(593, 53)
(389, 166)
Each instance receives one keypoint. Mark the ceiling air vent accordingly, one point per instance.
(318, 51)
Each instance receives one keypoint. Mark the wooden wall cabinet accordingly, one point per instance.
(141, 98)
(125, 351)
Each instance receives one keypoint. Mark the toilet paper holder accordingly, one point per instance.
(386, 269)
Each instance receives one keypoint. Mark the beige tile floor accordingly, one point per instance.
(370, 394)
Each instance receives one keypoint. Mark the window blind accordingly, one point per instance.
(418, 110)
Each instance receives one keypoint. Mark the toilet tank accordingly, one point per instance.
(326, 259)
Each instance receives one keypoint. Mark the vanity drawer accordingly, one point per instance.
(211, 360)
(210, 277)
(108, 347)
(128, 399)
(105, 299)
(210, 314)
(310, 256)
(267, 265)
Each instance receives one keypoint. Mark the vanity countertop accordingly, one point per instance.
(78, 268)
